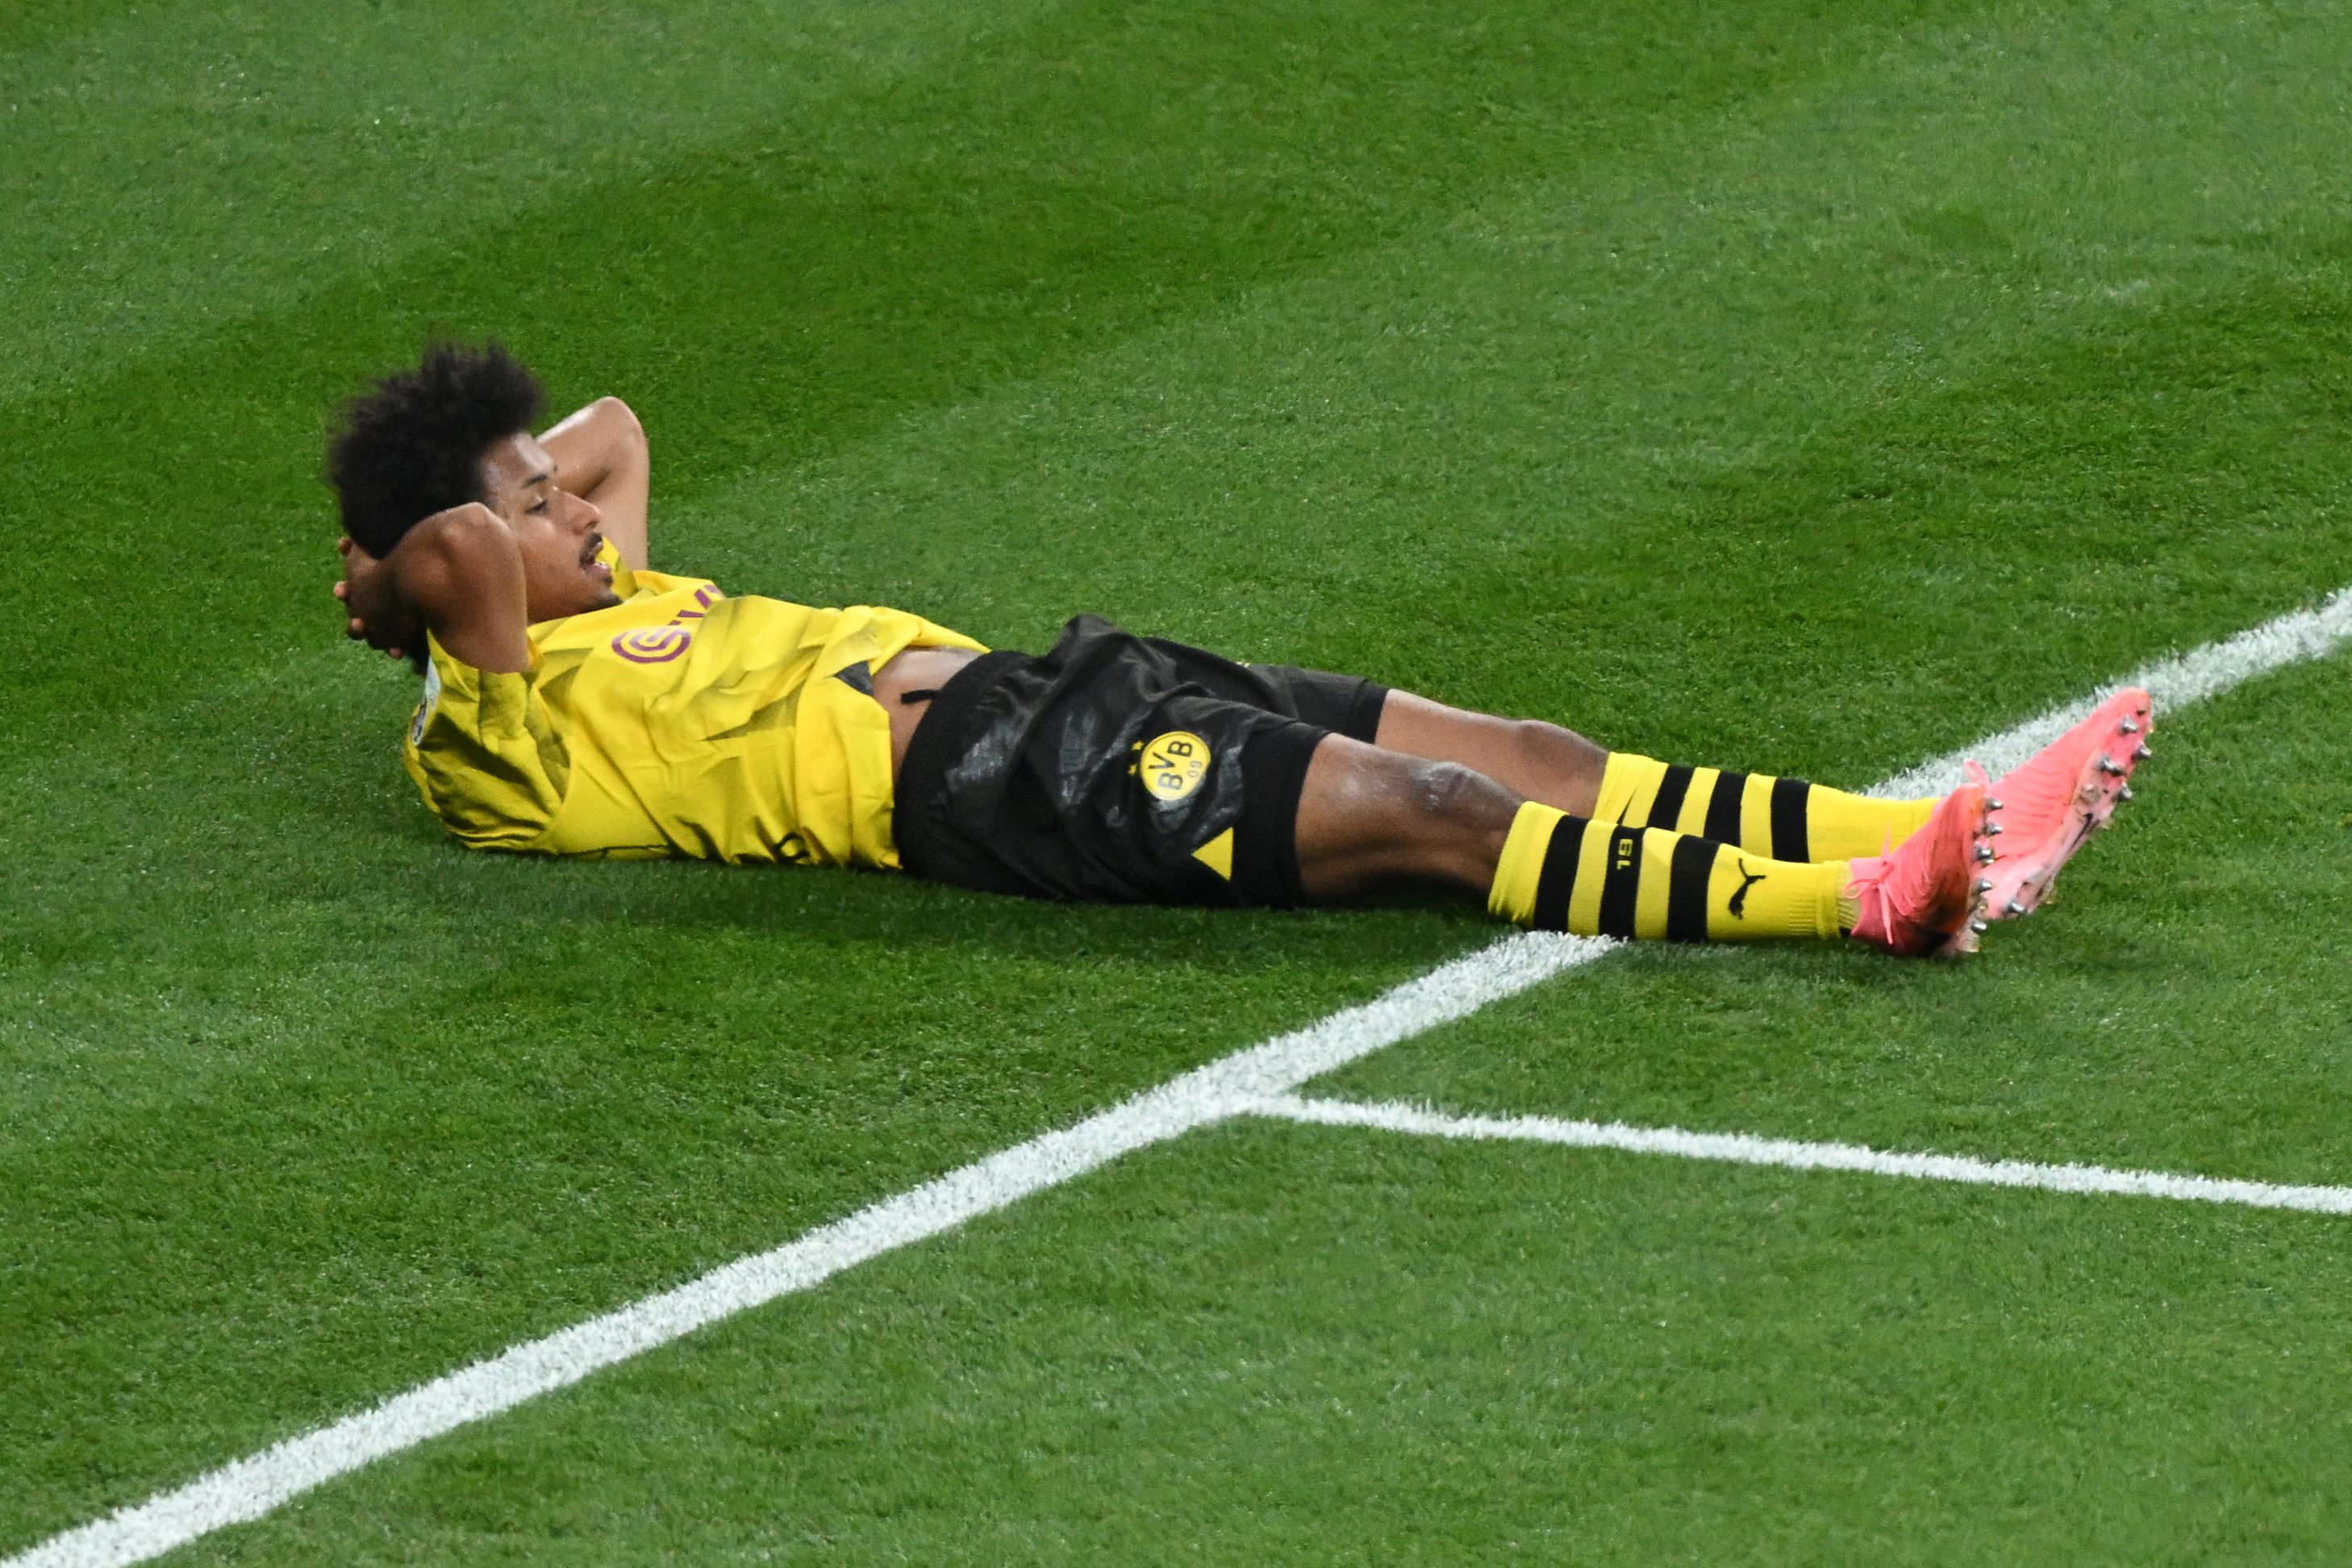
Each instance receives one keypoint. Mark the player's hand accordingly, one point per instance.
(374, 613)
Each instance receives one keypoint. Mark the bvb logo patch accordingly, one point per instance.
(1172, 765)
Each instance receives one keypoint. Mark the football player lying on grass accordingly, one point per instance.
(577, 702)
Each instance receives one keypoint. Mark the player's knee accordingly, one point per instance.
(1372, 818)
(1459, 820)
(1552, 750)
(1456, 795)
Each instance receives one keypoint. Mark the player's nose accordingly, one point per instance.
(589, 515)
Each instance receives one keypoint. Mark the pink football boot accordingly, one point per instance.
(1918, 900)
(2047, 808)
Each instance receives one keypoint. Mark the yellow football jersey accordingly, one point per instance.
(680, 721)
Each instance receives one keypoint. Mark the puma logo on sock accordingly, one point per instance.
(1739, 905)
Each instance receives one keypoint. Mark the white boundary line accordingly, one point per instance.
(2202, 673)
(254, 1485)
(1742, 1149)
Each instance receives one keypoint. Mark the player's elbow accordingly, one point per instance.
(463, 535)
(620, 423)
(446, 554)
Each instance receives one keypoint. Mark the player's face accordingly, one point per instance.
(556, 529)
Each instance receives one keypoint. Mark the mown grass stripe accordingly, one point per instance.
(1242, 1083)
(252, 1487)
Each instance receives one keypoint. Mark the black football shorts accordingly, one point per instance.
(1122, 769)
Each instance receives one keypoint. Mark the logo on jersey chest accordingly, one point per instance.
(1172, 766)
(659, 645)
(653, 645)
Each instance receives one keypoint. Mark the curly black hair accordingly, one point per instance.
(413, 446)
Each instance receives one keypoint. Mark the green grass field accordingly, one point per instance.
(1802, 386)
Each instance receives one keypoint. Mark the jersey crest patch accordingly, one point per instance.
(1172, 766)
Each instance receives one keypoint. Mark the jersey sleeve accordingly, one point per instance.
(486, 753)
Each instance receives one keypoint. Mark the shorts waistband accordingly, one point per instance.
(940, 735)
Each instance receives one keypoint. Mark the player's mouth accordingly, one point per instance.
(589, 564)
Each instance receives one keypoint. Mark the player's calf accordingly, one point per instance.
(1559, 872)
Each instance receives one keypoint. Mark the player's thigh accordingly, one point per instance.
(1542, 761)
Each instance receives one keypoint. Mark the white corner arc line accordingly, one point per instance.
(1745, 1148)
(251, 1487)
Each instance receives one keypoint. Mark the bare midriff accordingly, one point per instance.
(918, 670)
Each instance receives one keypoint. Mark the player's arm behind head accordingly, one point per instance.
(460, 572)
(408, 470)
(602, 457)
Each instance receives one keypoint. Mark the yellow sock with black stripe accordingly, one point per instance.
(1788, 820)
(1559, 872)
